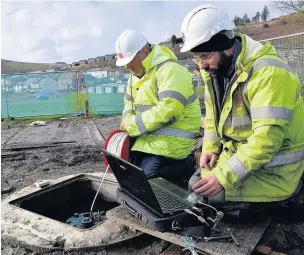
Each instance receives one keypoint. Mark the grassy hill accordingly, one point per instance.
(8, 66)
(285, 25)
(281, 26)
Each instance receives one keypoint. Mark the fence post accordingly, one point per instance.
(86, 108)
(8, 116)
(87, 95)
(78, 92)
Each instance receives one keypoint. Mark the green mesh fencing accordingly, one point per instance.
(106, 91)
(54, 93)
(42, 94)
(106, 104)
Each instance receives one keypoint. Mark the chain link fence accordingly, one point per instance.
(291, 49)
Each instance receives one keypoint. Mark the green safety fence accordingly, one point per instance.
(37, 94)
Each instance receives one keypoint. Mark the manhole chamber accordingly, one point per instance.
(70, 201)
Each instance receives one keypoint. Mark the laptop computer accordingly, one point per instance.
(158, 194)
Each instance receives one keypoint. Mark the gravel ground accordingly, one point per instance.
(82, 155)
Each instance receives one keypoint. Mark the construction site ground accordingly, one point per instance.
(71, 146)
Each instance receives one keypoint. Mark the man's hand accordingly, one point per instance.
(123, 126)
(208, 186)
(208, 160)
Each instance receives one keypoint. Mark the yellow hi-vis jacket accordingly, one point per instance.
(260, 131)
(161, 109)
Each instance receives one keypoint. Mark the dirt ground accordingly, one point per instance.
(81, 154)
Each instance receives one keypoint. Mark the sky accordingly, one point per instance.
(67, 31)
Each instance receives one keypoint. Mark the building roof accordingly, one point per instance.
(109, 69)
(47, 81)
(31, 81)
(66, 76)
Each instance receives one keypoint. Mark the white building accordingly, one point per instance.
(98, 73)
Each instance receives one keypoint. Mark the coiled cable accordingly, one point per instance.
(116, 142)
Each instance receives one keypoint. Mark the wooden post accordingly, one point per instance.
(87, 108)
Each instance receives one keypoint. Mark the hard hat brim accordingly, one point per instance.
(192, 44)
(186, 48)
(124, 61)
(189, 46)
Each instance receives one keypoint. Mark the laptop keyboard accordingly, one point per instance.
(167, 201)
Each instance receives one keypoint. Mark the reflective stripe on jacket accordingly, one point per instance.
(161, 109)
(260, 131)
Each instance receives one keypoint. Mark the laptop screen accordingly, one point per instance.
(133, 179)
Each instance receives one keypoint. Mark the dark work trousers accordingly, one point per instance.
(175, 171)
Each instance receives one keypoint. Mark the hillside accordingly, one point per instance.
(285, 25)
(8, 66)
(281, 26)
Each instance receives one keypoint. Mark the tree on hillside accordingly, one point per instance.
(256, 18)
(246, 19)
(238, 21)
(235, 19)
(289, 6)
(265, 13)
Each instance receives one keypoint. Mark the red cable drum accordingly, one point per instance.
(117, 143)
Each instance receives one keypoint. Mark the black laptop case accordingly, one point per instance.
(139, 198)
(173, 222)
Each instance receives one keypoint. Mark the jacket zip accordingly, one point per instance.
(217, 117)
(234, 78)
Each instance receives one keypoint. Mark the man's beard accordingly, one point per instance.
(222, 67)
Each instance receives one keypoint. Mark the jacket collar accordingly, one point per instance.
(158, 55)
(252, 50)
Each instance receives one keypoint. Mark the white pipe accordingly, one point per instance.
(281, 37)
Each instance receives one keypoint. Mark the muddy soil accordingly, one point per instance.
(25, 167)
(143, 245)
(81, 154)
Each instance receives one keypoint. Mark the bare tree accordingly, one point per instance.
(289, 6)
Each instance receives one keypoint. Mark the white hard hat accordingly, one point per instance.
(127, 45)
(201, 23)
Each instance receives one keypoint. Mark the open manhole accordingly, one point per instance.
(70, 201)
